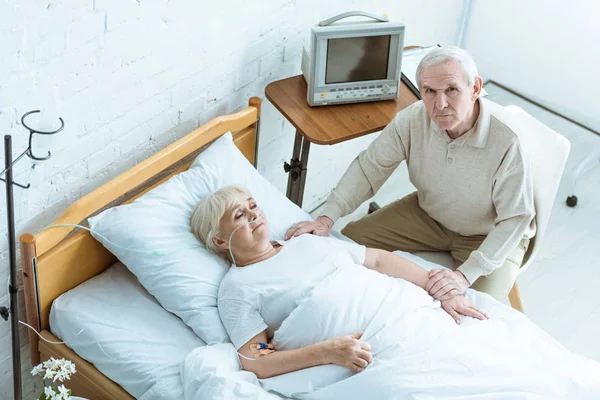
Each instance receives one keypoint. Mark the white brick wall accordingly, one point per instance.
(130, 77)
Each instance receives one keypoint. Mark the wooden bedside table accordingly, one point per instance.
(326, 125)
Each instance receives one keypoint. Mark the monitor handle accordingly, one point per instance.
(379, 18)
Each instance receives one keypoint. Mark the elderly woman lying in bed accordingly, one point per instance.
(268, 279)
(306, 315)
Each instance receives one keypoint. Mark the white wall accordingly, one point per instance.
(130, 77)
(545, 49)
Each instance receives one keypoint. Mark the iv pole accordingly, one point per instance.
(13, 286)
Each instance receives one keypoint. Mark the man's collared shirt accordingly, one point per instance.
(477, 184)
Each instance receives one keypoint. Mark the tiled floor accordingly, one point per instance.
(560, 289)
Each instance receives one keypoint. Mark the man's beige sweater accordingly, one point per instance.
(477, 184)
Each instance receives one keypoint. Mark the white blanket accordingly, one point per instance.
(213, 372)
(419, 351)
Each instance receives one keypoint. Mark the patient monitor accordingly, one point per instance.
(350, 62)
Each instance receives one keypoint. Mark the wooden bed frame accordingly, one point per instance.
(57, 260)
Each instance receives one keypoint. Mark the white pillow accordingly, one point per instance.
(184, 277)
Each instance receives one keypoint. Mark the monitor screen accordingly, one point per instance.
(357, 59)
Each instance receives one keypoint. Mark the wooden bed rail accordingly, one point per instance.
(27, 243)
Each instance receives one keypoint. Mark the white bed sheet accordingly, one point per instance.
(114, 323)
(446, 361)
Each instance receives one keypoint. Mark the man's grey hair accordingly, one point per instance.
(449, 53)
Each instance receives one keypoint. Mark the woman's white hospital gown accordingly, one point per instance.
(260, 296)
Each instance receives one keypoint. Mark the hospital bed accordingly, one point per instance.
(126, 345)
(111, 311)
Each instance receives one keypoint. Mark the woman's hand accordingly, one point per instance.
(459, 305)
(349, 352)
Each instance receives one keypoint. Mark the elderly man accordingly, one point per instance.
(474, 193)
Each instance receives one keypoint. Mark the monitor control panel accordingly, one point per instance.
(356, 93)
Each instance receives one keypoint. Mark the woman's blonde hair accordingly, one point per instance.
(206, 217)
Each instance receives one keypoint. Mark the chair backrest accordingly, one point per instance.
(548, 151)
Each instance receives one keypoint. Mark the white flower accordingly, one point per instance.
(61, 376)
(65, 372)
(64, 392)
(52, 364)
(37, 370)
(72, 368)
(49, 374)
(48, 392)
(57, 370)
(55, 364)
(69, 367)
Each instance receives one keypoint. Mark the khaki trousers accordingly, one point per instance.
(404, 225)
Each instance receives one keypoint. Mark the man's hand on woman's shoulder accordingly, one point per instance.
(320, 227)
